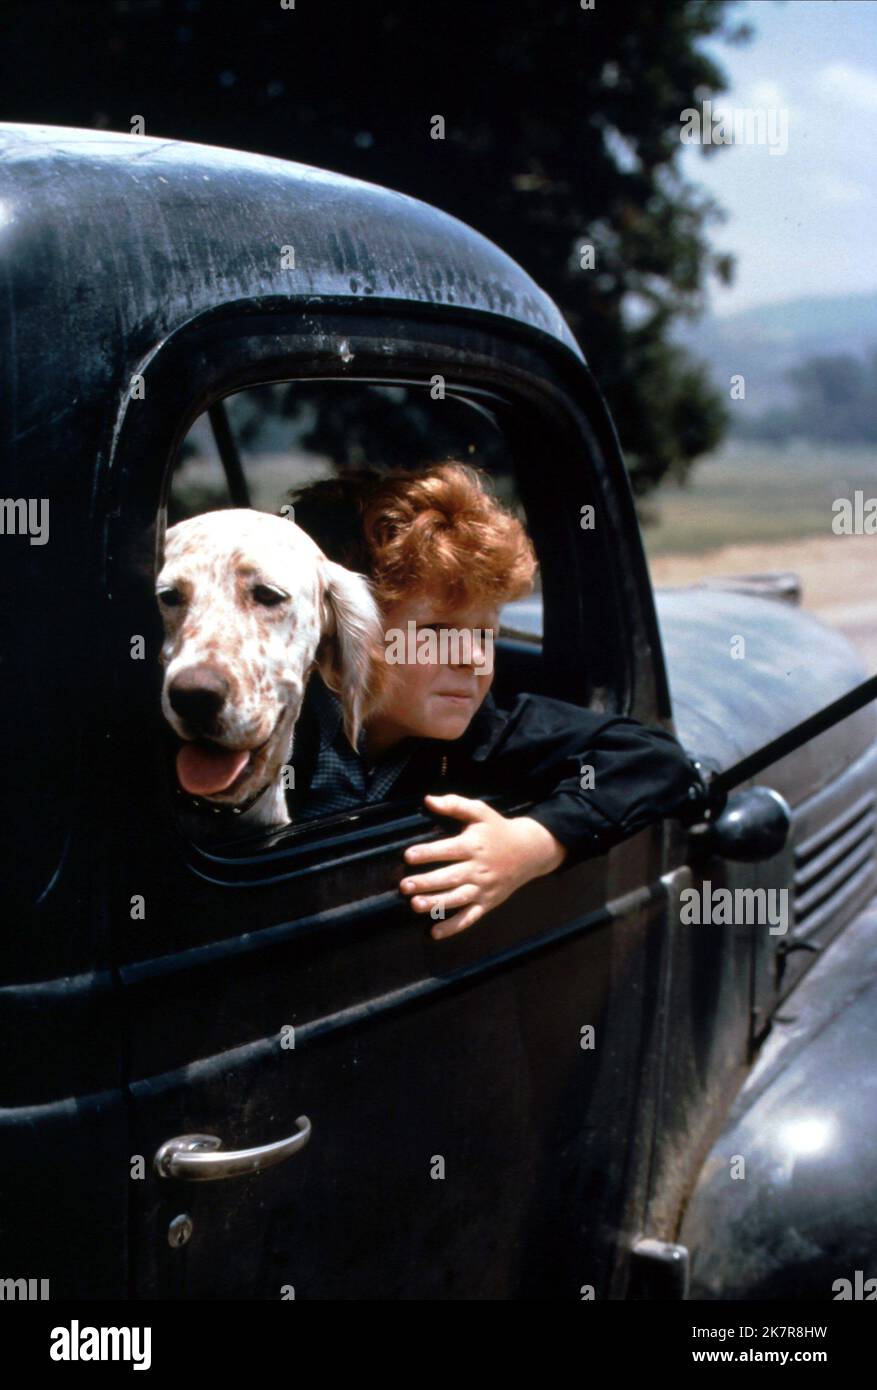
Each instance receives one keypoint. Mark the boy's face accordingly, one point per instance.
(439, 667)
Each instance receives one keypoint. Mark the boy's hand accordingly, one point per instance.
(490, 859)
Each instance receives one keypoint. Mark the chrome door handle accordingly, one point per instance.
(198, 1157)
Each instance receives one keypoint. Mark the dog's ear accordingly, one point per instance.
(350, 653)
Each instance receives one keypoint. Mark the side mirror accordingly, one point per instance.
(754, 825)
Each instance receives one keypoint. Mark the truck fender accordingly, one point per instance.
(785, 1205)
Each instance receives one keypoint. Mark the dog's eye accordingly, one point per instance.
(268, 596)
(169, 598)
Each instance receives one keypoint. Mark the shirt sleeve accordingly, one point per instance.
(598, 779)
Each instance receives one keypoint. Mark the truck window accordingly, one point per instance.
(263, 445)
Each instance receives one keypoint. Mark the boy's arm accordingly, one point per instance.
(491, 858)
(630, 776)
(596, 779)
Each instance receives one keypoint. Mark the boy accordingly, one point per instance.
(443, 556)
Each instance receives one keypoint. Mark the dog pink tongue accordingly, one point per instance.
(204, 768)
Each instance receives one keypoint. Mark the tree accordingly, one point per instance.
(835, 402)
(562, 130)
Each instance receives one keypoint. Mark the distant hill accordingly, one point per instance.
(764, 342)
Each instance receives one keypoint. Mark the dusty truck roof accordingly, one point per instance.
(155, 231)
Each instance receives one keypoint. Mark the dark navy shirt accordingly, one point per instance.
(343, 779)
(539, 750)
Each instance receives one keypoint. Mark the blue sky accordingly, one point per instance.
(804, 222)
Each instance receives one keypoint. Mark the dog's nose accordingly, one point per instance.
(198, 694)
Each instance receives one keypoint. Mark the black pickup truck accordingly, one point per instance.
(397, 1118)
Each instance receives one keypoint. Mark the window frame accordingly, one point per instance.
(227, 351)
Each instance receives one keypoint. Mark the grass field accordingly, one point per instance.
(756, 493)
(752, 509)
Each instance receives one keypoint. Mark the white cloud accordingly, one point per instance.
(765, 94)
(852, 86)
(844, 191)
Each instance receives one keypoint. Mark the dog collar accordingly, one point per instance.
(199, 803)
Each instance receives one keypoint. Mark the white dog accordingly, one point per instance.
(250, 606)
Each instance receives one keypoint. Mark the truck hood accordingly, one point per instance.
(724, 707)
(789, 665)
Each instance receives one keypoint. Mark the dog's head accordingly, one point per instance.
(250, 605)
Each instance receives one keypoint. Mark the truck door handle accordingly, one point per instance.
(198, 1157)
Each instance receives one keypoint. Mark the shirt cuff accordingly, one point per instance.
(562, 816)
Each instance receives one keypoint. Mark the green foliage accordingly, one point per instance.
(755, 492)
(562, 129)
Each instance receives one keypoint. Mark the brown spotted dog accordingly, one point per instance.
(251, 606)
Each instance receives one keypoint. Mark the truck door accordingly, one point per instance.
(444, 1125)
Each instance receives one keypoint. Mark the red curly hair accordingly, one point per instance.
(440, 530)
